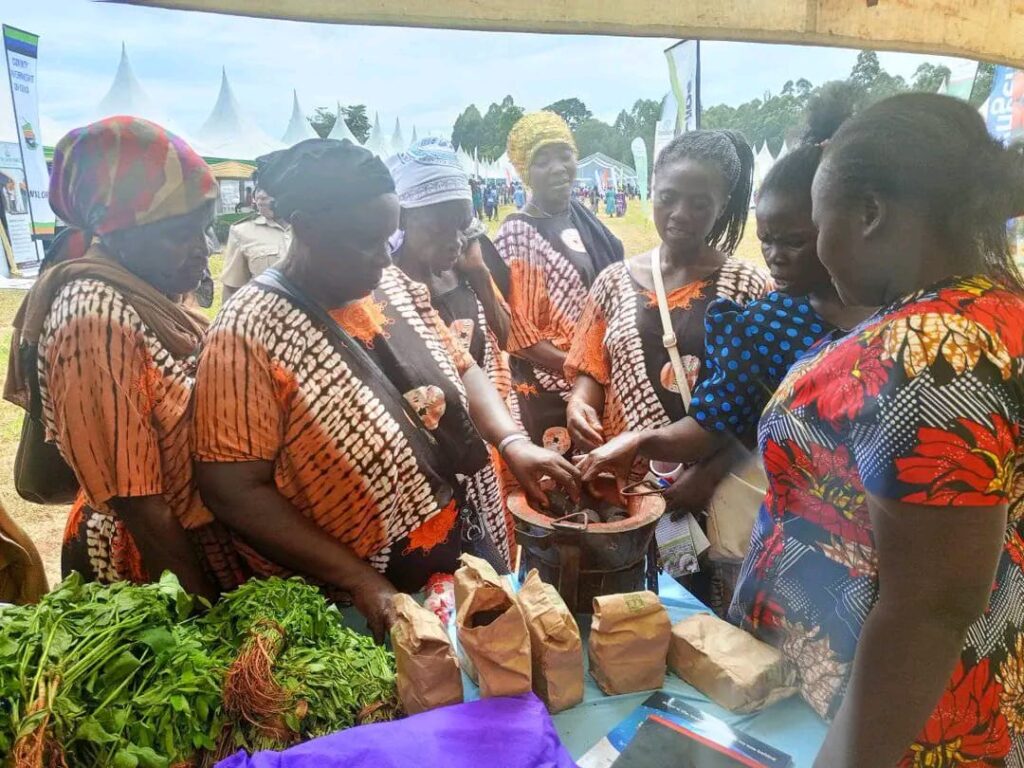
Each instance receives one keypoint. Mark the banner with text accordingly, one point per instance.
(22, 53)
(684, 72)
(639, 148)
(1005, 121)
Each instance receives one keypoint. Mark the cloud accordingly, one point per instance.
(426, 77)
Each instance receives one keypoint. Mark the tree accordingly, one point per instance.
(573, 111)
(640, 121)
(357, 121)
(929, 77)
(982, 83)
(468, 129)
(497, 125)
(322, 121)
(324, 118)
(597, 136)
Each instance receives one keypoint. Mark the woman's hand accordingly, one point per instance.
(584, 424)
(692, 491)
(471, 260)
(530, 464)
(371, 595)
(617, 456)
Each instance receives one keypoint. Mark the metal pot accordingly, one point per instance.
(585, 559)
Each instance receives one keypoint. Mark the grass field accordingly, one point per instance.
(46, 524)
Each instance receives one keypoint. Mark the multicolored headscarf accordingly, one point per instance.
(427, 173)
(531, 133)
(124, 172)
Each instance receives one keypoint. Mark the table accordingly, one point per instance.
(791, 725)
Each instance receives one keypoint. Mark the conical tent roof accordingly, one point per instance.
(763, 162)
(298, 128)
(126, 96)
(414, 138)
(377, 143)
(341, 130)
(397, 140)
(229, 133)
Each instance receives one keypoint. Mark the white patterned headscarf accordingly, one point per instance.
(428, 173)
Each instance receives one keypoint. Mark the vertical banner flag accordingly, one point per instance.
(639, 148)
(1005, 121)
(22, 53)
(961, 78)
(684, 72)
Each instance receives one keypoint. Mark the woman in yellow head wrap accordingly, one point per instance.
(554, 250)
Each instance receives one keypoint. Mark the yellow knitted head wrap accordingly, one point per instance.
(531, 133)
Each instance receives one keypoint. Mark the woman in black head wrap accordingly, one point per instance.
(335, 415)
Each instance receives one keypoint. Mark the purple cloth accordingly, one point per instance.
(514, 732)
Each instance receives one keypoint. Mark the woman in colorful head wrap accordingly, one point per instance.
(116, 351)
(441, 245)
(553, 249)
(336, 415)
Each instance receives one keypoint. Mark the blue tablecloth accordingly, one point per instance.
(791, 725)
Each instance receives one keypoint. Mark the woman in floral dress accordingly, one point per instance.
(888, 560)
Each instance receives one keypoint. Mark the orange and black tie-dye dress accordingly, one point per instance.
(118, 406)
(619, 340)
(549, 275)
(272, 387)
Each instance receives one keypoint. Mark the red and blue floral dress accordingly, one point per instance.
(922, 403)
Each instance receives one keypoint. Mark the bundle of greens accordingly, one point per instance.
(125, 676)
(106, 675)
(298, 672)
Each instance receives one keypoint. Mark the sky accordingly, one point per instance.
(425, 77)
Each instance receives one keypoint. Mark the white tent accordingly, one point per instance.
(508, 171)
(377, 143)
(414, 139)
(341, 130)
(229, 133)
(126, 96)
(298, 128)
(397, 140)
(763, 162)
(784, 151)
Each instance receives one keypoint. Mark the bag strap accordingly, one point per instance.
(668, 338)
(273, 280)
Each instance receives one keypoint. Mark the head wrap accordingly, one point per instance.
(124, 172)
(428, 173)
(317, 175)
(531, 133)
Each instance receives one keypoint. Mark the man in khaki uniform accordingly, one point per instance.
(254, 245)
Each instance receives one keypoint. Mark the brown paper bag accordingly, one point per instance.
(474, 572)
(629, 642)
(555, 644)
(732, 668)
(428, 672)
(494, 644)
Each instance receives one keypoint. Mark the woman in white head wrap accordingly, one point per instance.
(441, 245)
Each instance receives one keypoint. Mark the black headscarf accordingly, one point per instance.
(321, 174)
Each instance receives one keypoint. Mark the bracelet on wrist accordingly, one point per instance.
(515, 437)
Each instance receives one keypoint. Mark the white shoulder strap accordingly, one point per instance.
(668, 337)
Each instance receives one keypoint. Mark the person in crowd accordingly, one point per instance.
(440, 245)
(117, 351)
(609, 202)
(888, 560)
(254, 244)
(553, 250)
(595, 200)
(519, 197)
(623, 375)
(620, 203)
(491, 203)
(478, 199)
(336, 416)
(749, 349)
